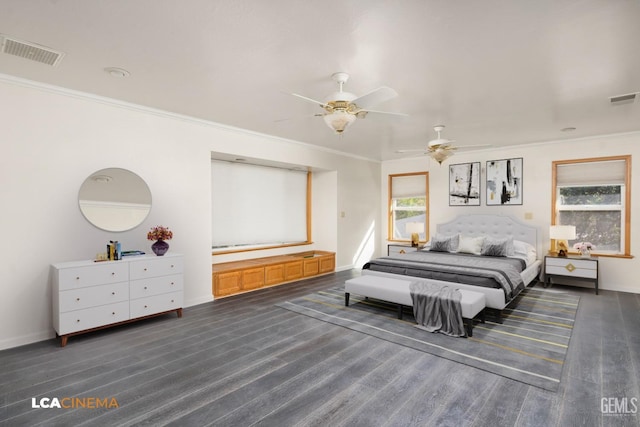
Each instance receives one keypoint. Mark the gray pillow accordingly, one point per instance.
(496, 247)
(444, 243)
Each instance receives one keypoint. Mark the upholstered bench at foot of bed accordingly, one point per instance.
(397, 291)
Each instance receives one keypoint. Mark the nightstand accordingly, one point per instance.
(574, 267)
(398, 249)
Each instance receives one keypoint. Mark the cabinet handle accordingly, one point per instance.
(145, 287)
(171, 265)
(145, 269)
(113, 312)
(78, 278)
(171, 300)
(113, 293)
(78, 321)
(145, 306)
(77, 299)
(172, 283)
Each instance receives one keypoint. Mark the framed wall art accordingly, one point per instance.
(464, 184)
(504, 182)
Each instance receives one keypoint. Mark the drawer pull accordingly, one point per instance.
(171, 265)
(145, 287)
(113, 273)
(172, 283)
(113, 293)
(145, 306)
(78, 278)
(113, 312)
(77, 299)
(145, 269)
(171, 300)
(78, 321)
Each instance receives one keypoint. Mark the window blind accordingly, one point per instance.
(257, 205)
(408, 186)
(608, 172)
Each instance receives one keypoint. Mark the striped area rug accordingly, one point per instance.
(529, 346)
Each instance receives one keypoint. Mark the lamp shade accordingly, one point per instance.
(415, 227)
(562, 232)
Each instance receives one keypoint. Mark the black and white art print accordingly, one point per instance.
(464, 184)
(504, 182)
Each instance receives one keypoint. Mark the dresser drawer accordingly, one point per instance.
(98, 274)
(154, 286)
(81, 298)
(155, 304)
(88, 318)
(154, 267)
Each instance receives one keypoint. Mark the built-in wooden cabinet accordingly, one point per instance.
(230, 278)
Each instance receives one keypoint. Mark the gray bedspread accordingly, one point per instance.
(494, 272)
(437, 308)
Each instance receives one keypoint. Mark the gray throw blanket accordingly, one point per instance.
(437, 308)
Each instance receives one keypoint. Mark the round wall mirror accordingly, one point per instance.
(114, 199)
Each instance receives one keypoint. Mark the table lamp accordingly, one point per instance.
(415, 228)
(562, 233)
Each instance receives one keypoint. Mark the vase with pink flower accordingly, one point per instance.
(160, 234)
(584, 248)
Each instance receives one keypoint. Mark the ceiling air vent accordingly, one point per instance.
(627, 98)
(30, 51)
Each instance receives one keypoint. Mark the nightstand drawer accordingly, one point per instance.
(572, 267)
(400, 249)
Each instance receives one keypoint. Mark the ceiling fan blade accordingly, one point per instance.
(320, 103)
(385, 112)
(412, 150)
(298, 118)
(375, 97)
(466, 147)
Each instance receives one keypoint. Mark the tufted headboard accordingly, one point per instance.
(498, 226)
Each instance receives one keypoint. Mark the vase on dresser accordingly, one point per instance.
(160, 247)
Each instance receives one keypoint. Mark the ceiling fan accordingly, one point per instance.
(439, 149)
(342, 108)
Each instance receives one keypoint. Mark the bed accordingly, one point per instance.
(500, 275)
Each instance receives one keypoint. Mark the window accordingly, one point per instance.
(408, 203)
(594, 195)
(255, 206)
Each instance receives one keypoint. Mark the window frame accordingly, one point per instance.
(390, 206)
(626, 198)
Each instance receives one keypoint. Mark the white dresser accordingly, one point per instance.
(91, 295)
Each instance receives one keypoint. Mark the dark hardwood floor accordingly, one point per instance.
(241, 361)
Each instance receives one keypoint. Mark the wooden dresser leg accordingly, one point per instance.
(63, 340)
(179, 311)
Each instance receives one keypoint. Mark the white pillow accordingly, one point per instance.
(525, 250)
(470, 245)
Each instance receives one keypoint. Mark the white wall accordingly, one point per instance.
(52, 139)
(615, 273)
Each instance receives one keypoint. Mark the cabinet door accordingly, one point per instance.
(253, 278)
(293, 270)
(311, 267)
(226, 283)
(327, 263)
(274, 274)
